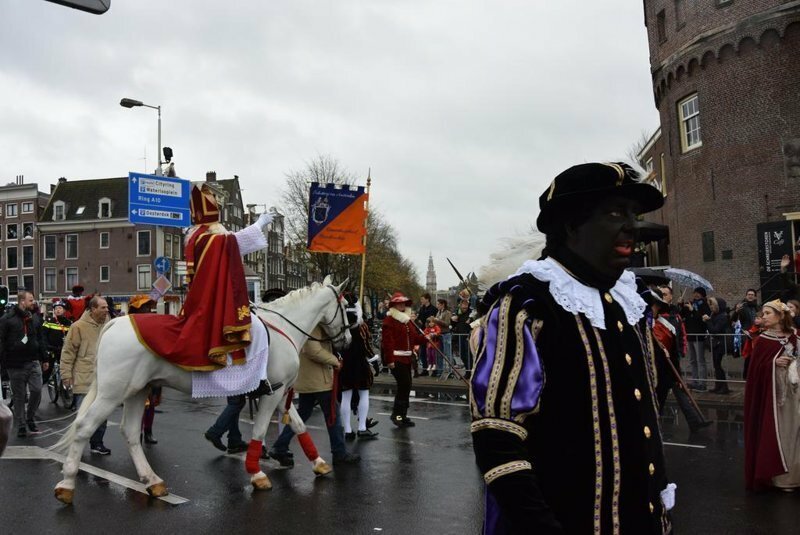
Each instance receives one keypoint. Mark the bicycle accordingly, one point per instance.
(56, 389)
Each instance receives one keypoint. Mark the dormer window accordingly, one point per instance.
(104, 208)
(80, 210)
(59, 211)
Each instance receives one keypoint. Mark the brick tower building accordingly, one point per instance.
(726, 81)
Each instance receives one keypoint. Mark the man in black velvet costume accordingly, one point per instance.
(565, 423)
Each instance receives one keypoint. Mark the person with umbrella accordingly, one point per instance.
(695, 314)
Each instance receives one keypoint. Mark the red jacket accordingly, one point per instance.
(398, 337)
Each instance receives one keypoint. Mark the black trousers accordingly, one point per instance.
(719, 371)
(402, 374)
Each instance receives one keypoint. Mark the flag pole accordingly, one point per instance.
(364, 254)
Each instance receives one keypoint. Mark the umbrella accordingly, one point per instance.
(650, 275)
(684, 277)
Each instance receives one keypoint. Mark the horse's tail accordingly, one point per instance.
(66, 441)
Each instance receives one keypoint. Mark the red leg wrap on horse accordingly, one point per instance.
(253, 453)
(308, 446)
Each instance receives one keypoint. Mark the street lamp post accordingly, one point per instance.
(131, 103)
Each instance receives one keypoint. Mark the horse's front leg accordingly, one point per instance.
(131, 430)
(266, 408)
(319, 465)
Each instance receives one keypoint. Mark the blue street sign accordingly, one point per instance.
(162, 264)
(158, 200)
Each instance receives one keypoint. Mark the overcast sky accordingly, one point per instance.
(464, 110)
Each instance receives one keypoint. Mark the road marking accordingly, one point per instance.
(414, 400)
(413, 417)
(685, 445)
(35, 452)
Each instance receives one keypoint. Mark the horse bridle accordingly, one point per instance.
(339, 314)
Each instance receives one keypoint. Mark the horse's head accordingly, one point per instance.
(334, 316)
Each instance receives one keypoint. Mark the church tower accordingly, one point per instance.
(430, 277)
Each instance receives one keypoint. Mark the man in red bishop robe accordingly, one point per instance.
(215, 319)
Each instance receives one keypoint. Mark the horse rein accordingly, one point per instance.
(340, 313)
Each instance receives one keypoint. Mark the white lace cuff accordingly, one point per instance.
(251, 239)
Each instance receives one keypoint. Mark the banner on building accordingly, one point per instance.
(775, 240)
(337, 218)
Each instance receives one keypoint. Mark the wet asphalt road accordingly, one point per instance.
(417, 481)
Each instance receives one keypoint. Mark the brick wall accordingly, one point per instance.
(749, 106)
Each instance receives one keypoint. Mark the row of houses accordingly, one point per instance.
(79, 234)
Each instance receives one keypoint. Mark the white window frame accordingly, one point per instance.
(33, 230)
(44, 247)
(100, 203)
(25, 205)
(108, 240)
(140, 270)
(167, 245)
(54, 273)
(66, 247)
(66, 277)
(33, 282)
(8, 227)
(11, 207)
(107, 278)
(33, 256)
(63, 206)
(149, 243)
(16, 249)
(690, 123)
(16, 283)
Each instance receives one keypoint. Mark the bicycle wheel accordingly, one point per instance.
(52, 389)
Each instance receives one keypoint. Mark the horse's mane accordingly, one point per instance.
(294, 296)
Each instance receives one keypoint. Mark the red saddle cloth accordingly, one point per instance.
(215, 319)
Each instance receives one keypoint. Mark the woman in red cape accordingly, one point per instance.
(772, 405)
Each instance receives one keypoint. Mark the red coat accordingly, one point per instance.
(398, 338)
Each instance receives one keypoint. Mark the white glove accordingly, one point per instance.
(264, 220)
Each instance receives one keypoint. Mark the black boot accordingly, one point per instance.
(148, 438)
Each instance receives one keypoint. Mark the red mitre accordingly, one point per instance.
(204, 205)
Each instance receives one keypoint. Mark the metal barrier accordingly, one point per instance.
(728, 345)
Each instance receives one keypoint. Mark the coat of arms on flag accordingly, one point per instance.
(337, 218)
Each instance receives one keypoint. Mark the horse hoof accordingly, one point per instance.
(64, 495)
(261, 483)
(322, 468)
(157, 490)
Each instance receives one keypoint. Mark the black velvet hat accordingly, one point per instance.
(592, 181)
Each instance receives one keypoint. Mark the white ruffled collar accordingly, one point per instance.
(402, 317)
(577, 298)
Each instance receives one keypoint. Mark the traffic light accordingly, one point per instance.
(3, 296)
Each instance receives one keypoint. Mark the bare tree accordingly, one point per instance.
(636, 148)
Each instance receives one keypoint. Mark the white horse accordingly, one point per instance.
(125, 370)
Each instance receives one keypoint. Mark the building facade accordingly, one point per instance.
(20, 207)
(727, 155)
(86, 239)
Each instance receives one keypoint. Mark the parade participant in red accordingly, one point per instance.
(399, 336)
(215, 320)
(772, 404)
(76, 303)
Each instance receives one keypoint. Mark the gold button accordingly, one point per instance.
(637, 394)
(651, 507)
(647, 432)
(651, 469)
(628, 359)
(608, 298)
(620, 326)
